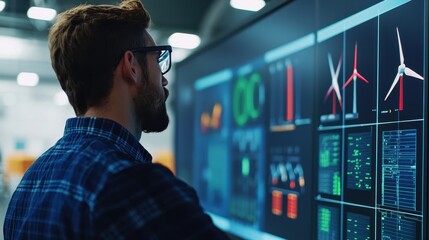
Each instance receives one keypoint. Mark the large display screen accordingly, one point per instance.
(310, 122)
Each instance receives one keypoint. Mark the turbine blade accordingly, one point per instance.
(331, 67)
(361, 77)
(348, 80)
(401, 54)
(327, 93)
(339, 101)
(411, 73)
(393, 85)
(337, 91)
(338, 66)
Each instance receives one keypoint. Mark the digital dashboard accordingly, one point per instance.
(310, 122)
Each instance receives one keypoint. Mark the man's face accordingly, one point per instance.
(150, 102)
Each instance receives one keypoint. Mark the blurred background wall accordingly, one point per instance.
(33, 108)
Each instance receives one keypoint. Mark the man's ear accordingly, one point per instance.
(130, 67)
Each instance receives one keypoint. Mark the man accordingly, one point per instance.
(97, 181)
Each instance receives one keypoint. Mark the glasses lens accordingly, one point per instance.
(164, 61)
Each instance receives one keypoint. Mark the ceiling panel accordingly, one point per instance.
(208, 18)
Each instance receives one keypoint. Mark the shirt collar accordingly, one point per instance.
(110, 130)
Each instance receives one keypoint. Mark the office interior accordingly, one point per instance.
(33, 108)
(292, 119)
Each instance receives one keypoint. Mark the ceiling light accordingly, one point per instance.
(2, 5)
(40, 13)
(184, 40)
(248, 5)
(27, 79)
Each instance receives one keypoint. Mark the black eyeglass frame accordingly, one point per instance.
(157, 48)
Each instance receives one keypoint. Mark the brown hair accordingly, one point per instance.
(86, 44)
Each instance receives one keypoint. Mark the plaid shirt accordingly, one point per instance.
(98, 182)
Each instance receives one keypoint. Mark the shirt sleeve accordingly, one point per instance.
(148, 202)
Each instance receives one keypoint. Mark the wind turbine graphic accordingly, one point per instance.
(400, 76)
(334, 84)
(353, 77)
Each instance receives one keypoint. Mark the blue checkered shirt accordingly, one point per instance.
(98, 182)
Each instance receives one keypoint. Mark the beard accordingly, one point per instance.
(151, 109)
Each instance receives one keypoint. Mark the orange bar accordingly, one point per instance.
(292, 206)
(277, 203)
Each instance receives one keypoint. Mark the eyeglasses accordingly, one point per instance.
(164, 58)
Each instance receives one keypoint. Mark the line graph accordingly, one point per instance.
(213, 120)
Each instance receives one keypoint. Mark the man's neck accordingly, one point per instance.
(118, 116)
